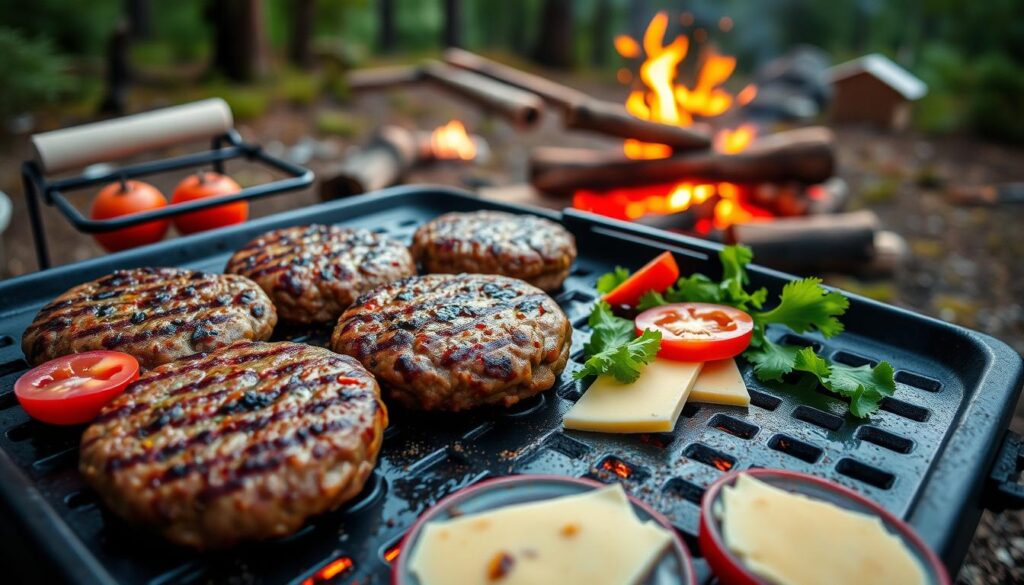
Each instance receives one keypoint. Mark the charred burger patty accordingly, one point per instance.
(154, 314)
(453, 342)
(240, 444)
(312, 273)
(524, 246)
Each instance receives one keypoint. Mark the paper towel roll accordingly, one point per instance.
(69, 148)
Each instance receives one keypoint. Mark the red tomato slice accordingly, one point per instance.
(656, 275)
(72, 389)
(698, 332)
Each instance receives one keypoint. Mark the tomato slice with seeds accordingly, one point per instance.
(656, 275)
(72, 389)
(698, 332)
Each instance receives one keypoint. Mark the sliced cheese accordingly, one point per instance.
(588, 539)
(720, 382)
(791, 539)
(651, 404)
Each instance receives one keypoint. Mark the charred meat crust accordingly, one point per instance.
(313, 273)
(524, 246)
(154, 314)
(241, 444)
(454, 342)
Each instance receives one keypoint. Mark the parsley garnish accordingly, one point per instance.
(614, 347)
(804, 305)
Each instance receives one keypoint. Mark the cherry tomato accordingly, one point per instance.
(656, 275)
(200, 186)
(72, 389)
(698, 332)
(126, 198)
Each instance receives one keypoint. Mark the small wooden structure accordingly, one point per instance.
(873, 89)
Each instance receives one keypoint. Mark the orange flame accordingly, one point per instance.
(618, 467)
(660, 96)
(452, 142)
(330, 570)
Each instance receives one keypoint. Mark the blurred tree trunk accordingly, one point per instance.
(601, 38)
(139, 19)
(240, 48)
(118, 72)
(555, 44)
(300, 49)
(517, 23)
(452, 23)
(386, 24)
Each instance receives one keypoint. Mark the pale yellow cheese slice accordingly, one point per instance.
(790, 539)
(651, 404)
(720, 382)
(588, 539)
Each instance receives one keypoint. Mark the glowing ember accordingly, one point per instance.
(392, 553)
(452, 142)
(331, 570)
(660, 96)
(618, 467)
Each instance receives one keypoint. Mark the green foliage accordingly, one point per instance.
(995, 104)
(31, 74)
(338, 123)
(76, 27)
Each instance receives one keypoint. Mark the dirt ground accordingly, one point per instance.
(965, 263)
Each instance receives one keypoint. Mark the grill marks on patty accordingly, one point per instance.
(441, 342)
(314, 272)
(523, 246)
(235, 429)
(155, 314)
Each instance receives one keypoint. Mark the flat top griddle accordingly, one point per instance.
(926, 456)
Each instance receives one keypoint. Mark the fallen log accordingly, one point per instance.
(378, 78)
(381, 163)
(839, 241)
(805, 155)
(553, 93)
(612, 119)
(520, 107)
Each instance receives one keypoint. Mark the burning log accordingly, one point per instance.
(555, 94)
(382, 163)
(805, 155)
(841, 241)
(383, 77)
(613, 119)
(520, 107)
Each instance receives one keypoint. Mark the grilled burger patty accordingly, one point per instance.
(527, 247)
(155, 314)
(453, 342)
(240, 444)
(312, 273)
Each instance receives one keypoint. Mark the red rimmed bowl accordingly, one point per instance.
(731, 571)
(674, 567)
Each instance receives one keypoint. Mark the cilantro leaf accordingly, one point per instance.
(808, 361)
(651, 299)
(607, 330)
(771, 360)
(866, 386)
(607, 282)
(805, 305)
(623, 361)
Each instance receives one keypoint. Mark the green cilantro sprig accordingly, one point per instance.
(804, 305)
(614, 347)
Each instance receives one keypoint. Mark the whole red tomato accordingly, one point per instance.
(200, 186)
(126, 198)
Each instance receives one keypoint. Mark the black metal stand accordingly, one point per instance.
(225, 147)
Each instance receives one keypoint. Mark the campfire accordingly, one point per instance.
(693, 159)
(660, 94)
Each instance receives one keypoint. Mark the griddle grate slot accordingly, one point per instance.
(905, 409)
(733, 426)
(818, 418)
(701, 453)
(868, 474)
(12, 367)
(918, 381)
(684, 489)
(762, 400)
(885, 439)
(853, 359)
(795, 448)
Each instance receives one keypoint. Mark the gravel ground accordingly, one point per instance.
(965, 262)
